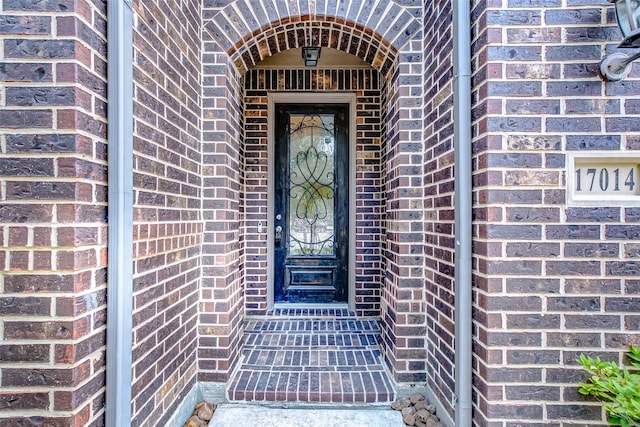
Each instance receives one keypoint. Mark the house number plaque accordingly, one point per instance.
(604, 179)
(618, 179)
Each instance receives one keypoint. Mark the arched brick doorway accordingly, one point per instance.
(237, 38)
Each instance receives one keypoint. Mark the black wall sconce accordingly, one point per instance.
(310, 56)
(617, 66)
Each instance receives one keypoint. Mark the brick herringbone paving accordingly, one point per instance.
(311, 355)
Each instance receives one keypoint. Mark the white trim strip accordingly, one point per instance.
(317, 98)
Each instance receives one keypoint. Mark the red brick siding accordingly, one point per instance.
(403, 298)
(551, 279)
(331, 32)
(52, 212)
(365, 83)
(257, 29)
(546, 274)
(261, 29)
(167, 201)
(222, 295)
(439, 201)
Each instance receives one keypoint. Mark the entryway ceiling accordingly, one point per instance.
(329, 58)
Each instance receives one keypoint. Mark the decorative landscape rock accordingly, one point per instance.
(409, 420)
(194, 421)
(417, 411)
(423, 415)
(205, 411)
(400, 404)
(408, 410)
(202, 413)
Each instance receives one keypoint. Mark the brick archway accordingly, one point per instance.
(254, 30)
(324, 32)
(236, 38)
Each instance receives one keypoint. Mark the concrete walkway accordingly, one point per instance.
(237, 415)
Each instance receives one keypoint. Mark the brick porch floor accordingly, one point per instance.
(311, 355)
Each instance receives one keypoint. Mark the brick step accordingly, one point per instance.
(313, 340)
(312, 325)
(311, 312)
(328, 360)
(309, 387)
(312, 360)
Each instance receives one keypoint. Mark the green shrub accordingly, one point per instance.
(618, 388)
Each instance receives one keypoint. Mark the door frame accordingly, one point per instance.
(313, 98)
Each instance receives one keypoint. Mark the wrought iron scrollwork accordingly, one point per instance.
(311, 191)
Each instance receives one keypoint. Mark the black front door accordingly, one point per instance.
(311, 238)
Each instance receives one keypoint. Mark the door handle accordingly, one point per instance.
(278, 235)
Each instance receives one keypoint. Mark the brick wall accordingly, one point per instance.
(222, 298)
(551, 279)
(365, 84)
(403, 298)
(52, 212)
(167, 206)
(438, 204)
(237, 38)
(258, 29)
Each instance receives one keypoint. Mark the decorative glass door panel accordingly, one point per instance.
(311, 203)
(311, 185)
